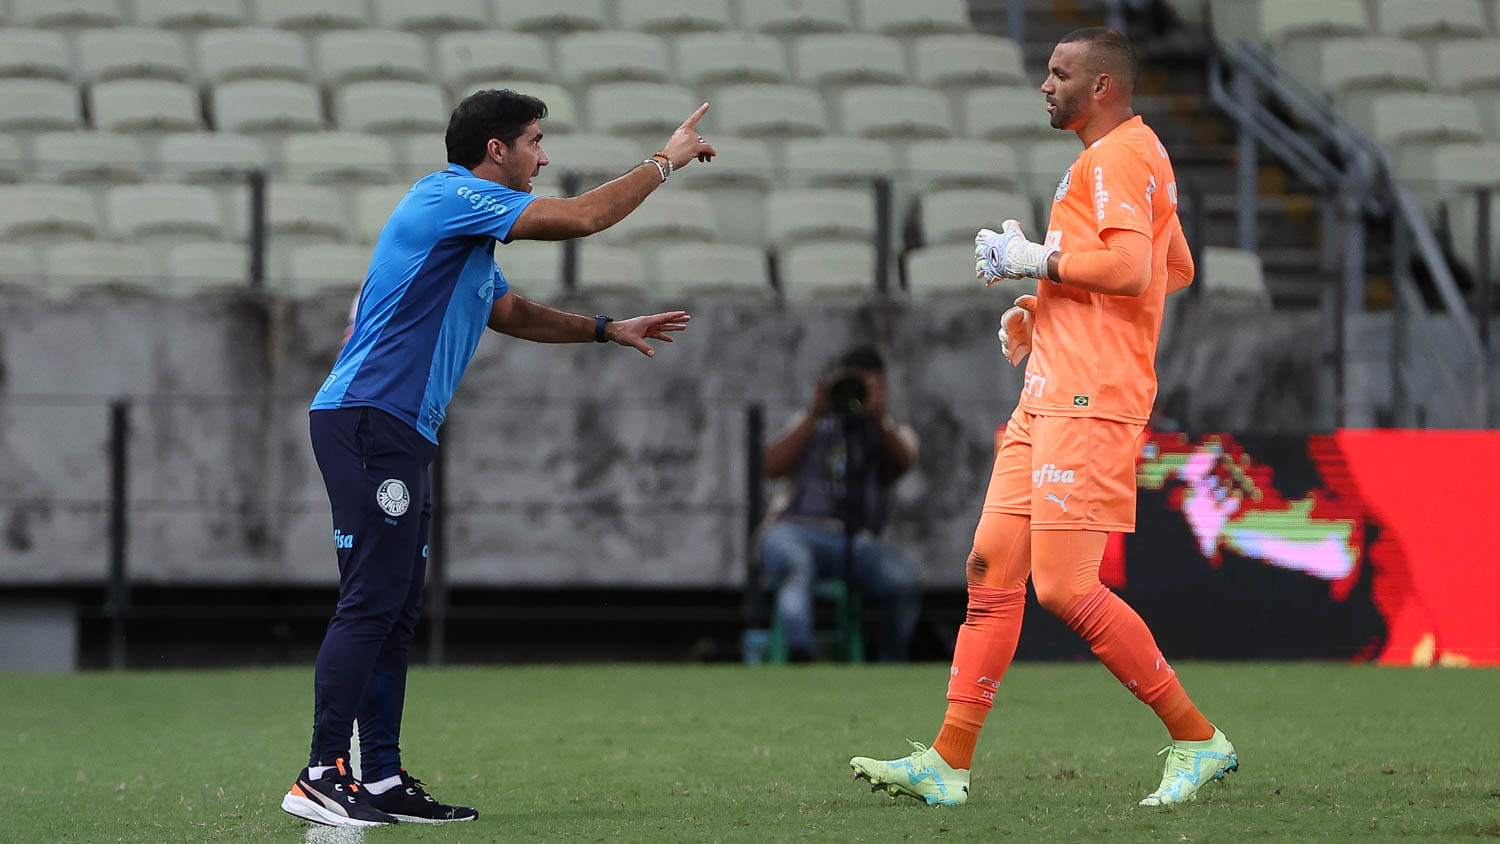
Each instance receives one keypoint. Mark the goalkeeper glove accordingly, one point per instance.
(1015, 329)
(1008, 254)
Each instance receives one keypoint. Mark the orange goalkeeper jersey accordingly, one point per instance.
(1093, 354)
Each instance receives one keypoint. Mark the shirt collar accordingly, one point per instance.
(460, 170)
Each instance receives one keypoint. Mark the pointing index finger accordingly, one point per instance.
(692, 121)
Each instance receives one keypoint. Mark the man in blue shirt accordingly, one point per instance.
(431, 289)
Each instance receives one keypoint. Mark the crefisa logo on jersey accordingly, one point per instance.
(393, 497)
(480, 202)
(1062, 187)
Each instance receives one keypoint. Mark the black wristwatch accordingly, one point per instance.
(599, 322)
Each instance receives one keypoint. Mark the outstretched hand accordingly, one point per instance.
(686, 144)
(634, 332)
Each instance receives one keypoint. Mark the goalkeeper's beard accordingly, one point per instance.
(1064, 116)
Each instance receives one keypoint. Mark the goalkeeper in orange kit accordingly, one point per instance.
(1064, 472)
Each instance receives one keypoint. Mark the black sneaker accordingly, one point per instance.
(334, 799)
(409, 802)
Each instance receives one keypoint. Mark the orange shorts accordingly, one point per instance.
(1066, 472)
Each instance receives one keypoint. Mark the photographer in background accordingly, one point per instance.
(841, 456)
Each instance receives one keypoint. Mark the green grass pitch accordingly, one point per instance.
(725, 753)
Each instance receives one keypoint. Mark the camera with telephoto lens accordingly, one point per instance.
(847, 392)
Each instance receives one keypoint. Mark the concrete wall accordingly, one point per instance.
(568, 464)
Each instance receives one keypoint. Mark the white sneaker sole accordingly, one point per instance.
(309, 811)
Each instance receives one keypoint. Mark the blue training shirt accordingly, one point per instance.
(426, 299)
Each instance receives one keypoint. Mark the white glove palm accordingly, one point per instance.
(1008, 254)
(1015, 329)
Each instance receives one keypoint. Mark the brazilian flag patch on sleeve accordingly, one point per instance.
(1080, 401)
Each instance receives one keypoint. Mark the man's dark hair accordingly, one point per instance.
(866, 358)
(501, 114)
(1109, 52)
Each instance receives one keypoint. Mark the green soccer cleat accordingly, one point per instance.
(1190, 766)
(923, 775)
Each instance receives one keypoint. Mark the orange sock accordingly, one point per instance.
(986, 645)
(1121, 640)
(960, 732)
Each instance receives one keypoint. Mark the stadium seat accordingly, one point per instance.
(1046, 162)
(312, 270)
(1361, 65)
(532, 267)
(896, 112)
(795, 215)
(131, 53)
(777, 112)
(1467, 64)
(711, 268)
(1283, 22)
(1233, 276)
(824, 270)
(835, 161)
(586, 58)
(719, 58)
(1400, 119)
(145, 105)
(12, 164)
(467, 57)
(903, 17)
(646, 110)
(606, 268)
(373, 206)
(945, 269)
(953, 216)
(225, 55)
(797, 17)
(848, 59)
(1430, 18)
(337, 158)
(961, 164)
(34, 53)
(298, 212)
(554, 16)
(267, 105)
(596, 158)
(967, 61)
(20, 267)
(193, 268)
(735, 182)
(433, 15)
(674, 16)
(83, 265)
(190, 14)
(392, 107)
(211, 157)
(686, 216)
(72, 14)
(1007, 113)
(88, 158)
(35, 105)
(360, 55)
(312, 15)
(157, 210)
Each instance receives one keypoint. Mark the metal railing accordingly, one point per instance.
(1278, 112)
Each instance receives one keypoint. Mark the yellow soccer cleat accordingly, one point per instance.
(1190, 766)
(924, 775)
